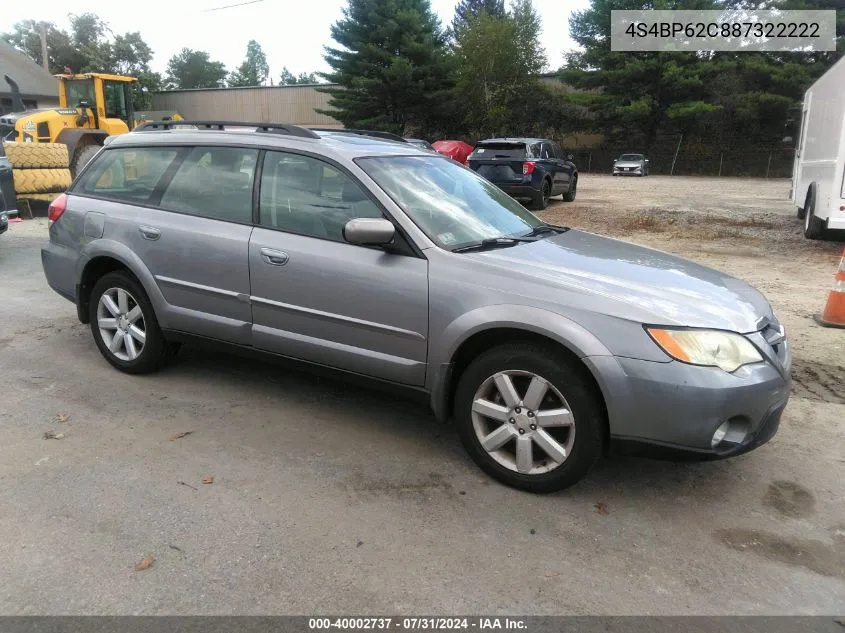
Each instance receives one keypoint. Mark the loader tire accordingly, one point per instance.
(37, 155)
(82, 157)
(41, 180)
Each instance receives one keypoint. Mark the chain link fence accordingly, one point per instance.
(694, 158)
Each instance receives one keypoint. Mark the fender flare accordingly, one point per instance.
(71, 138)
(551, 325)
(133, 263)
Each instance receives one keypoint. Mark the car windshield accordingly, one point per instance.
(451, 204)
(631, 157)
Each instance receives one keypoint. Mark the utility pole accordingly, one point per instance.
(44, 61)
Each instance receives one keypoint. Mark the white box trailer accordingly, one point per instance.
(818, 175)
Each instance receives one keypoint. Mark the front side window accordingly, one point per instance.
(214, 182)
(304, 195)
(80, 90)
(453, 205)
(115, 95)
(130, 173)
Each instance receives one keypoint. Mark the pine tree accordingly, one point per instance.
(391, 65)
(254, 70)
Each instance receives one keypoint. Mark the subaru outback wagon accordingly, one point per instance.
(546, 345)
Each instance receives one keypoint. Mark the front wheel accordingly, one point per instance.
(569, 194)
(529, 418)
(124, 325)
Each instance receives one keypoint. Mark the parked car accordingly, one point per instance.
(421, 143)
(456, 150)
(530, 169)
(631, 165)
(546, 345)
(8, 200)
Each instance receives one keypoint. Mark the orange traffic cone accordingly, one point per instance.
(834, 311)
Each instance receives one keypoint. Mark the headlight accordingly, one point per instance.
(711, 348)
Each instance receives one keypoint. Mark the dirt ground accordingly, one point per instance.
(744, 227)
(227, 486)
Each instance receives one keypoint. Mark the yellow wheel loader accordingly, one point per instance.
(92, 107)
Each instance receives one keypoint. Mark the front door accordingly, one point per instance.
(318, 298)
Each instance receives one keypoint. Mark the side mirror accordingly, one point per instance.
(647, 161)
(369, 231)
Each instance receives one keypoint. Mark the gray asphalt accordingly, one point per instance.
(328, 498)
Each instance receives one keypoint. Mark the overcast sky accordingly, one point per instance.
(292, 32)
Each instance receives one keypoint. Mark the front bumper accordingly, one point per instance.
(673, 409)
(620, 172)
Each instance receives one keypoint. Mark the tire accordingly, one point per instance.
(800, 213)
(82, 156)
(154, 350)
(37, 155)
(542, 200)
(569, 194)
(568, 389)
(41, 180)
(813, 226)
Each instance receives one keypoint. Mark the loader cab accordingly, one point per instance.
(108, 100)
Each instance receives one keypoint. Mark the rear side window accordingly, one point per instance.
(130, 173)
(214, 182)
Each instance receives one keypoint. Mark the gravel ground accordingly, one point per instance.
(327, 498)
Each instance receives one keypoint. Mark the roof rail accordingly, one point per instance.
(374, 133)
(271, 128)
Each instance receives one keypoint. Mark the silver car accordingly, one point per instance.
(631, 165)
(546, 345)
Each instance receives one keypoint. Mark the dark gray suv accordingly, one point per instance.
(546, 345)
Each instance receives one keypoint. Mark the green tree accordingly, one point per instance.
(391, 65)
(497, 60)
(194, 69)
(254, 71)
(467, 10)
(289, 79)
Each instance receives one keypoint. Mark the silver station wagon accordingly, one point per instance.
(545, 345)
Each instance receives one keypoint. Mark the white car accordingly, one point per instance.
(630, 165)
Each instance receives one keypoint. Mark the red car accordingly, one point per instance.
(456, 150)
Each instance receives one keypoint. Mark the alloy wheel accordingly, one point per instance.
(121, 324)
(523, 422)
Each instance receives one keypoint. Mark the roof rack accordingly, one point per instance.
(270, 128)
(374, 133)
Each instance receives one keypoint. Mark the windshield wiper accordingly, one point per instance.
(544, 229)
(491, 242)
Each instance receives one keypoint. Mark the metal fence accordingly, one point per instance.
(695, 159)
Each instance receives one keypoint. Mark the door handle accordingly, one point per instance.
(274, 257)
(149, 232)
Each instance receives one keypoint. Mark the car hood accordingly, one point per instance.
(628, 163)
(621, 279)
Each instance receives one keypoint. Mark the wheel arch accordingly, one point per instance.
(104, 256)
(74, 138)
(476, 331)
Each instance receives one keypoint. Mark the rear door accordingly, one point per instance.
(187, 213)
(500, 162)
(565, 169)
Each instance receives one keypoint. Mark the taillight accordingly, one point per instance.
(528, 168)
(57, 207)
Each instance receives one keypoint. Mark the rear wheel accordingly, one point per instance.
(813, 226)
(124, 325)
(81, 157)
(541, 201)
(528, 418)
